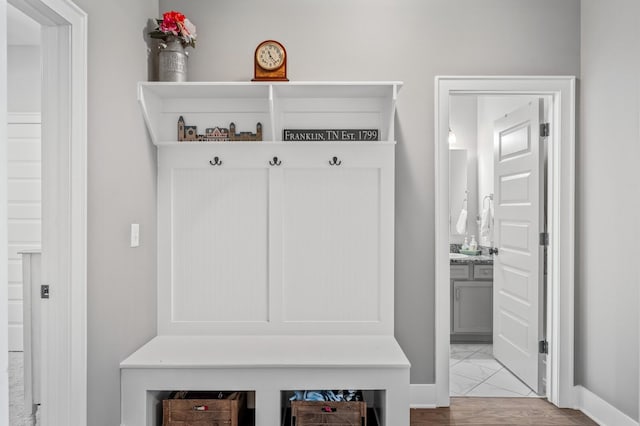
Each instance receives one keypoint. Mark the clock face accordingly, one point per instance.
(270, 56)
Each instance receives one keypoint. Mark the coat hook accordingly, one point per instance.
(216, 161)
(275, 162)
(335, 162)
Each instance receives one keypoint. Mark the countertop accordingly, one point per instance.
(459, 259)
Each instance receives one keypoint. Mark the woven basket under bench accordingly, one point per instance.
(204, 409)
(316, 413)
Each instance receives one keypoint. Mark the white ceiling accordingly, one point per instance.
(21, 30)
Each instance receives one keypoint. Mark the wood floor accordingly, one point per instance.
(499, 411)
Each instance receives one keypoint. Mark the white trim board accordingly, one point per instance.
(561, 198)
(599, 410)
(64, 241)
(4, 303)
(422, 396)
(24, 117)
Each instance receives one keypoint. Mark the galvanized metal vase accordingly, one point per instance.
(172, 61)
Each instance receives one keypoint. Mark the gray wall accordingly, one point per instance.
(408, 40)
(23, 78)
(121, 191)
(608, 203)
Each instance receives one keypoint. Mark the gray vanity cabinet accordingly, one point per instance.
(471, 302)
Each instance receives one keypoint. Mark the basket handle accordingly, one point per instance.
(327, 409)
(200, 408)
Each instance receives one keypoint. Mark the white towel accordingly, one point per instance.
(461, 225)
(485, 224)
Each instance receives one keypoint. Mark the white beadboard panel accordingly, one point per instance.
(23, 130)
(331, 242)
(15, 312)
(15, 249)
(20, 190)
(24, 210)
(24, 195)
(219, 245)
(14, 291)
(24, 231)
(15, 338)
(14, 272)
(23, 149)
(25, 169)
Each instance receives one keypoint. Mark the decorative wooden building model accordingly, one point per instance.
(216, 134)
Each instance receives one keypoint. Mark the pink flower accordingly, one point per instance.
(174, 23)
(171, 22)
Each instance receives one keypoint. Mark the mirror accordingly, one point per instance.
(458, 199)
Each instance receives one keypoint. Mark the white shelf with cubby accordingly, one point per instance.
(277, 106)
(275, 259)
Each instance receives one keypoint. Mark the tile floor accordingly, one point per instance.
(474, 372)
(18, 415)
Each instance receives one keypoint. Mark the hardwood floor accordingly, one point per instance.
(499, 411)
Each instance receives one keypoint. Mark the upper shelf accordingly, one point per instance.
(276, 106)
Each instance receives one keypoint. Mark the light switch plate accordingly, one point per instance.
(135, 235)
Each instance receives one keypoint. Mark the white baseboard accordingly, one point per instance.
(422, 396)
(599, 410)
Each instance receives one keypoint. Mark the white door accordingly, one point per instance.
(519, 216)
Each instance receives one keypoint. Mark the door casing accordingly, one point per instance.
(561, 223)
(64, 162)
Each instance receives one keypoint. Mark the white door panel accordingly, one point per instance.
(219, 235)
(331, 245)
(518, 185)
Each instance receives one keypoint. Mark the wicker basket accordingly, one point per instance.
(204, 409)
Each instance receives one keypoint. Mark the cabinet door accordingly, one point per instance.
(219, 245)
(472, 307)
(331, 245)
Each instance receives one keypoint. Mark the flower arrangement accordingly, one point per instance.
(175, 24)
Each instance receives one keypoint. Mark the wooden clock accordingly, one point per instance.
(270, 62)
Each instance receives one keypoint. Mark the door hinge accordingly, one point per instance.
(543, 347)
(544, 238)
(44, 291)
(544, 129)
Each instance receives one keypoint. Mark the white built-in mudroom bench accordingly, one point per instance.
(275, 257)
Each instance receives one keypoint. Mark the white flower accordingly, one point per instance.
(191, 29)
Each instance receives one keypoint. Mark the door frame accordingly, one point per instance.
(64, 162)
(560, 222)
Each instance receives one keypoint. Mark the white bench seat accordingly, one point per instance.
(266, 365)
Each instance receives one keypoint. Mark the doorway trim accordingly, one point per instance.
(64, 160)
(561, 223)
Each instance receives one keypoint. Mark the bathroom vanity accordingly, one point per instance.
(471, 298)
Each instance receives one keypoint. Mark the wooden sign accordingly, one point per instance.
(328, 135)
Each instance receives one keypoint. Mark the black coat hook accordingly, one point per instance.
(275, 162)
(216, 161)
(335, 162)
